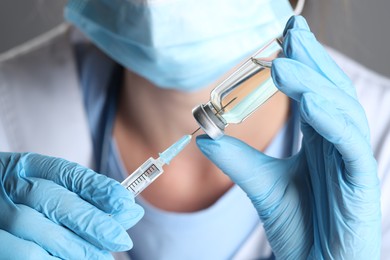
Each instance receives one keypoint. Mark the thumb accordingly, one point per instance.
(256, 173)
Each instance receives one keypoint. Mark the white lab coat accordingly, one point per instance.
(41, 110)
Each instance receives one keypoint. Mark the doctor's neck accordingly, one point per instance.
(157, 115)
(160, 116)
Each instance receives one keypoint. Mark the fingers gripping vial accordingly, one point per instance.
(153, 168)
(241, 93)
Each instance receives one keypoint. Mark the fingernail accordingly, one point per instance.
(296, 22)
(123, 242)
(289, 25)
(287, 49)
(206, 145)
(278, 72)
(130, 217)
(301, 23)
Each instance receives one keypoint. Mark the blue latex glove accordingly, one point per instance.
(53, 208)
(324, 202)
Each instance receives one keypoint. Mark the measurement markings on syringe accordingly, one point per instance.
(149, 172)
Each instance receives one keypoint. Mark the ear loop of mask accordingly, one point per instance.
(299, 7)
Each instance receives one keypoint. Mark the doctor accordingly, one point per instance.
(306, 187)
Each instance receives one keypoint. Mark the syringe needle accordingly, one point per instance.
(195, 131)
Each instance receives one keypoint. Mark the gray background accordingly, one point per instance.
(358, 28)
(21, 20)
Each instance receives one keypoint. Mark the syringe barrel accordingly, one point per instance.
(143, 176)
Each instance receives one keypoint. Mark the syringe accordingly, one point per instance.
(152, 168)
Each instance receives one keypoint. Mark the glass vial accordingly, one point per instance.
(240, 93)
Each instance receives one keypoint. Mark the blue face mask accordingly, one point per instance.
(179, 44)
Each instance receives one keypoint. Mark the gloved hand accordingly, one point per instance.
(51, 208)
(324, 202)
